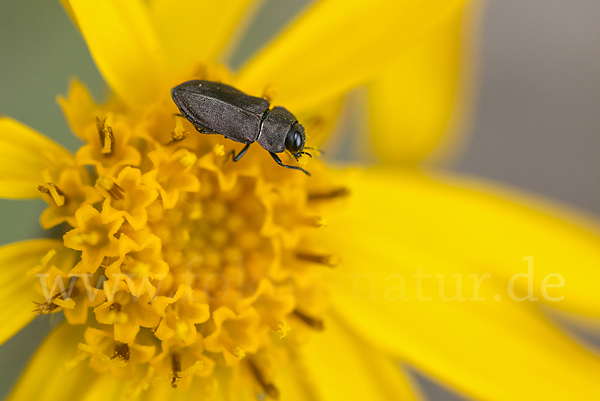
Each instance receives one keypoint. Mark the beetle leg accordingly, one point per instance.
(278, 161)
(239, 155)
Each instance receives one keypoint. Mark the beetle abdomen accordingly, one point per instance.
(221, 108)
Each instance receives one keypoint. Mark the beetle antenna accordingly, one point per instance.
(319, 151)
(299, 154)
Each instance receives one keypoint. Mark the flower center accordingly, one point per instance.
(191, 263)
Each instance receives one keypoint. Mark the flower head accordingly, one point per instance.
(189, 250)
(182, 270)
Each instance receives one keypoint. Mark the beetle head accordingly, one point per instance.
(294, 140)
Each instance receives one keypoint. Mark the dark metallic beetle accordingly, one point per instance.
(217, 108)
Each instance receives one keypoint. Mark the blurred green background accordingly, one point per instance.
(536, 124)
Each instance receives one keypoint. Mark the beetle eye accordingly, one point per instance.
(297, 139)
(294, 141)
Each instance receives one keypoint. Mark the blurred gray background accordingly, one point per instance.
(536, 124)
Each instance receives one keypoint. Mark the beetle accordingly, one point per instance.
(217, 108)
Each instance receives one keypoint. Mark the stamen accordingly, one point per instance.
(269, 92)
(327, 260)
(334, 193)
(219, 149)
(56, 194)
(177, 137)
(315, 221)
(115, 306)
(121, 352)
(201, 71)
(108, 260)
(107, 139)
(280, 328)
(43, 308)
(179, 133)
(113, 189)
(176, 359)
(313, 322)
(116, 192)
(237, 351)
(188, 159)
(269, 388)
(92, 238)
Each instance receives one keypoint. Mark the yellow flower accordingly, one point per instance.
(183, 275)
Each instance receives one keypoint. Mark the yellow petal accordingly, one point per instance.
(423, 94)
(335, 365)
(17, 288)
(492, 229)
(25, 154)
(124, 45)
(493, 351)
(584, 327)
(489, 347)
(215, 23)
(49, 378)
(67, 6)
(107, 387)
(337, 45)
(79, 108)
